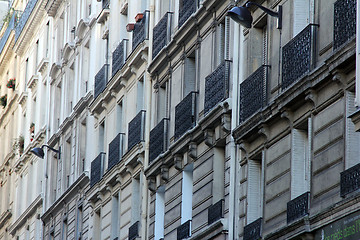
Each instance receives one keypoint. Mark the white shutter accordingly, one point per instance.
(352, 138)
(159, 213)
(308, 157)
(254, 191)
(186, 197)
(189, 76)
(301, 15)
(298, 162)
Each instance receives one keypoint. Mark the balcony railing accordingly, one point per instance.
(141, 30)
(162, 33)
(136, 130)
(24, 17)
(105, 4)
(101, 79)
(217, 86)
(134, 231)
(119, 56)
(116, 150)
(8, 30)
(344, 21)
(184, 230)
(158, 139)
(350, 180)
(253, 93)
(187, 8)
(298, 207)
(216, 211)
(253, 230)
(185, 113)
(97, 169)
(298, 56)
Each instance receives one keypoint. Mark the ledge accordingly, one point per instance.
(42, 66)
(4, 217)
(210, 231)
(32, 83)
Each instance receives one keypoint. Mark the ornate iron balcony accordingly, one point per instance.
(187, 8)
(119, 56)
(253, 93)
(350, 180)
(105, 4)
(136, 129)
(141, 30)
(298, 56)
(253, 230)
(97, 169)
(101, 79)
(116, 150)
(8, 30)
(24, 17)
(158, 139)
(298, 207)
(184, 230)
(217, 86)
(134, 231)
(344, 21)
(162, 33)
(216, 211)
(185, 114)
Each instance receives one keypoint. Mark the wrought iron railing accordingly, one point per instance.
(253, 230)
(217, 86)
(187, 8)
(97, 169)
(101, 79)
(298, 207)
(298, 56)
(344, 21)
(141, 30)
(24, 17)
(105, 4)
(8, 30)
(136, 129)
(116, 150)
(350, 180)
(184, 230)
(158, 139)
(119, 56)
(134, 231)
(253, 93)
(216, 211)
(185, 113)
(162, 33)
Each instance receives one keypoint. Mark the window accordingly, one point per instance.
(140, 95)
(300, 159)
(68, 163)
(79, 219)
(119, 117)
(83, 141)
(101, 144)
(255, 186)
(189, 83)
(97, 225)
(65, 227)
(135, 200)
(301, 13)
(219, 174)
(352, 138)
(187, 191)
(159, 212)
(115, 216)
(163, 101)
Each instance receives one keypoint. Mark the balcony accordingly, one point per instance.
(217, 86)
(350, 180)
(253, 93)
(298, 207)
(101, 79)
(298, 56)
(158, 139)
(119, 56)
(116, 150)
(185, 113)
(253, 230)
(24, 17)
(216, 211)
(8, 30)
(97, 169)
(187, 8)
(141, 30)
(134, 231)
(184, 231)
(344, 21)
(136, 130)
(162, 33)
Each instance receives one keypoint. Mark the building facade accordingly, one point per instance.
(169, 120)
